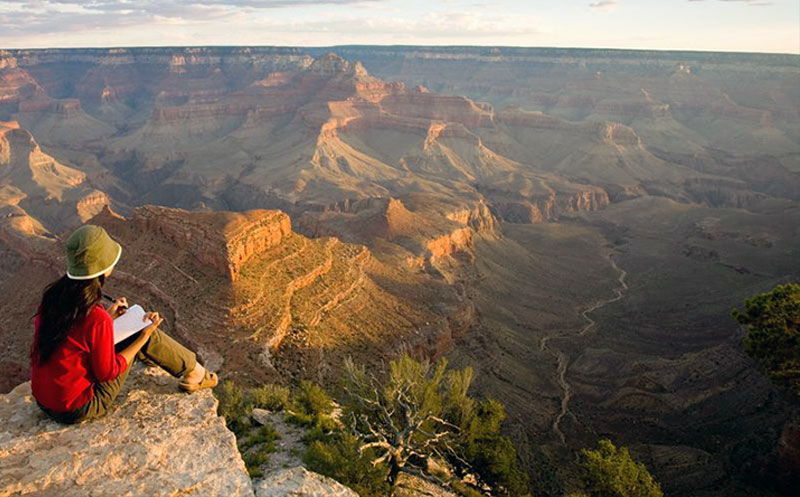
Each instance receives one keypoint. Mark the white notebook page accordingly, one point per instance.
(129, 323)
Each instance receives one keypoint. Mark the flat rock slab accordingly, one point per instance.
(412, 486)
(299, 482)
(157, 442)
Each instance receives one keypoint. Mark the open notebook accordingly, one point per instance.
(130, 323)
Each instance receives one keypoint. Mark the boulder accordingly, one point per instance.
(412, 486)
(261, 416)
(299, 482)
(158, 441)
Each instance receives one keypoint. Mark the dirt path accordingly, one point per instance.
(564, 360)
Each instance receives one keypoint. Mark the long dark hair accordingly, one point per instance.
(64, 303)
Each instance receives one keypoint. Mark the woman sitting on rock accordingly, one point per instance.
(76, 373)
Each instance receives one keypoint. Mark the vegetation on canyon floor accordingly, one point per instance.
(416, 418)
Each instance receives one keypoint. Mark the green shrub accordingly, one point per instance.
(773, 334)
(253, 460)
(338, 457)
(442, 421)
(495, 460)
(465, 490)
(319, 432)
(232, 406)
(611, 472)
(266, 435)
(311, 407)
(269, 396)
(491, 456)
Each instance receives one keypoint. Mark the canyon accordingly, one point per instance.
(574, 224)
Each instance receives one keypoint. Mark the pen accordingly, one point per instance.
(112, 299)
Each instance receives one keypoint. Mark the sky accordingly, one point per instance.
(724, 25)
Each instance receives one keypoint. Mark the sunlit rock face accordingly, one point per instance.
(300, 482)
(157, 441)
(37, 192)
(225, 240)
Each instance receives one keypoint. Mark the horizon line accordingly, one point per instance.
(394, 45)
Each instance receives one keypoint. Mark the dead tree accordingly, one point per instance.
(400, 420)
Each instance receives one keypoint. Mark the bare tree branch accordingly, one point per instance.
(401, 420)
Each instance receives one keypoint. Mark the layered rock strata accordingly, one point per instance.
(35, 187)
(224, 240)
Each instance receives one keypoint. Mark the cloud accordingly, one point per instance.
(49, 16)
(173, 22)
(604, 5)
(102, 23)
(432, 25)
(117, 5)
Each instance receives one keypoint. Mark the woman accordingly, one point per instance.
(76, 373)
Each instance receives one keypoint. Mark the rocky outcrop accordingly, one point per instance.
(607, 131)
(412, 486)
(436, 107)
(383, 217)
(224, 240)
(91, 205)
(617, 134)
(15, 83)
(458, 241)
(550, 207)
(720, 192)
(518, 212)
(156, 442)
(300, 482)
(479, 218)
(514, 116)
(64, 108)
(34, 184)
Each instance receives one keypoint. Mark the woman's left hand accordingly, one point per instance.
(118, 308)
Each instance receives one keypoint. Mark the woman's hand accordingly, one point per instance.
(129, 352)
(156, 319)
(118, 308)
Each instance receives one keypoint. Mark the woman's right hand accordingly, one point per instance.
(156, 319)
(129, 352)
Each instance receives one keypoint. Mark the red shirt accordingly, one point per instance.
(64, 383)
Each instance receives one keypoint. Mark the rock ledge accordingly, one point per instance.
(299, 482)
(157, 442)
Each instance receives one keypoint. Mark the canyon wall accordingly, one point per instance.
(551, 207)
(34, 184)
(223, 240)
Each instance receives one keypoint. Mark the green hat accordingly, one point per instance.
(90, 253)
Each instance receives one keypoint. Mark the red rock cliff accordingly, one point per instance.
(223, 240)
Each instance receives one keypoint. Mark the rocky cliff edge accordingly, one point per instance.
(158, 441)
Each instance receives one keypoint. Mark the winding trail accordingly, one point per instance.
(563, 359)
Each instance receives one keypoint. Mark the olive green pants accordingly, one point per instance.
(161, 350)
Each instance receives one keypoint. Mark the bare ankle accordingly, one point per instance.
(197, 373)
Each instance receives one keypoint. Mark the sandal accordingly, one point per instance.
(210, 380)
